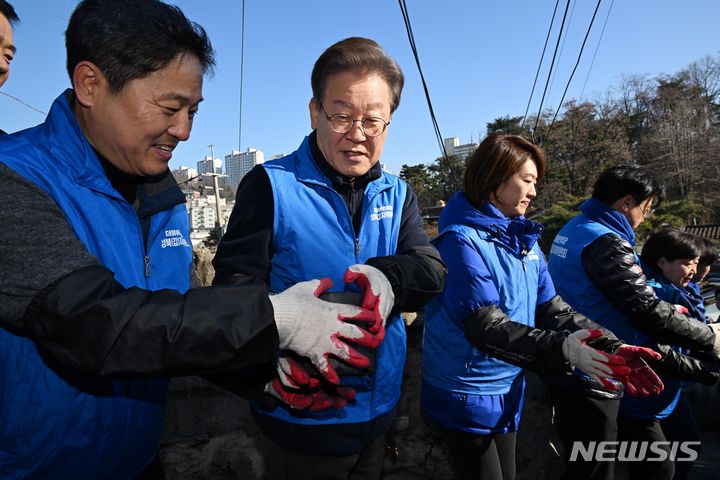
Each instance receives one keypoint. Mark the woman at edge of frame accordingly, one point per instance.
(480, 333)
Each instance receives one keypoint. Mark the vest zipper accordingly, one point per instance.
(357, 246)
(147, 266)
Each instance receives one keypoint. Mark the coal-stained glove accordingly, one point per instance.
(642, 380)
(310, 399)
(378, 294)
(316, 329)
(595, 363)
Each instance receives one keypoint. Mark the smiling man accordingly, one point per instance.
(8, 18)
(329, 209)
(95, 311)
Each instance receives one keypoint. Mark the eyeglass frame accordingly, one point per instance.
(362, 121)
(646, 212)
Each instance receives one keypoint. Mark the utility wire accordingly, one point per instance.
(567, 85)
(20, 101)
(542, 57)
(597, 48)
(562, 45)
(17, 109)
(552, 64)
(242, 65)
(413, 47)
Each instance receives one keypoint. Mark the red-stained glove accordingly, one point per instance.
(596, 364)
(310, 399)
(316, 329)
(641, 380)
(293, 375)
(378, 294)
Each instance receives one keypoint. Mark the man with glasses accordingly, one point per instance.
(596, 270)
(329, 210)
(96, 312)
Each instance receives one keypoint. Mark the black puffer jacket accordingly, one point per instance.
(534, 348)
(610, 264)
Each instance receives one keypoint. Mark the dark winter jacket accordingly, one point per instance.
(91, 310)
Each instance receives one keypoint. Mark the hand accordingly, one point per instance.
(595, 363)
(682, 309)
(378, 294)
(715, 327)
(293, 375)
(316, 329)
(641, 380)
(309, 399)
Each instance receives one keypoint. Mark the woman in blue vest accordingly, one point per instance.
(669, 258)
(480, 332)
(708, 257)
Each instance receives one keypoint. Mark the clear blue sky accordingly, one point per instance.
(479, 59)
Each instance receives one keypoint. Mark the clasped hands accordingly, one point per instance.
(318, 330)
(627, 364)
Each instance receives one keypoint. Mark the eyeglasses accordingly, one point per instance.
(647, 212)
(342, 123)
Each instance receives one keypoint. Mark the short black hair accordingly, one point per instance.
(708, 253)
(133, 38)
(8, 12)
(620, 180)
(670, 243)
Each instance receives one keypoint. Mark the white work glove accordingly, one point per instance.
(316, 329)
(378, 294)
(715, 327)
(595, 363)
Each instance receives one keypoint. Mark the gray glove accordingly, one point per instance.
(595, 363)
(378, 294)
(317, 329)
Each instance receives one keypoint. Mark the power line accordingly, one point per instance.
(562, 45)
(413, 47)
(26, 104)
(542, 57)
(552, 64)
(597, 48)
(567, 85)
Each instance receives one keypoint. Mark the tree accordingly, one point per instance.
(676, 214)
(213, 239)
(447, 176)
(554, 218)
(508, 124)
(422, 183)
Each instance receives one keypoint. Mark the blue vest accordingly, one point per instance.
(573, 285)
(662, 405)
(451, 362)
(313, 237)
(65, 424)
